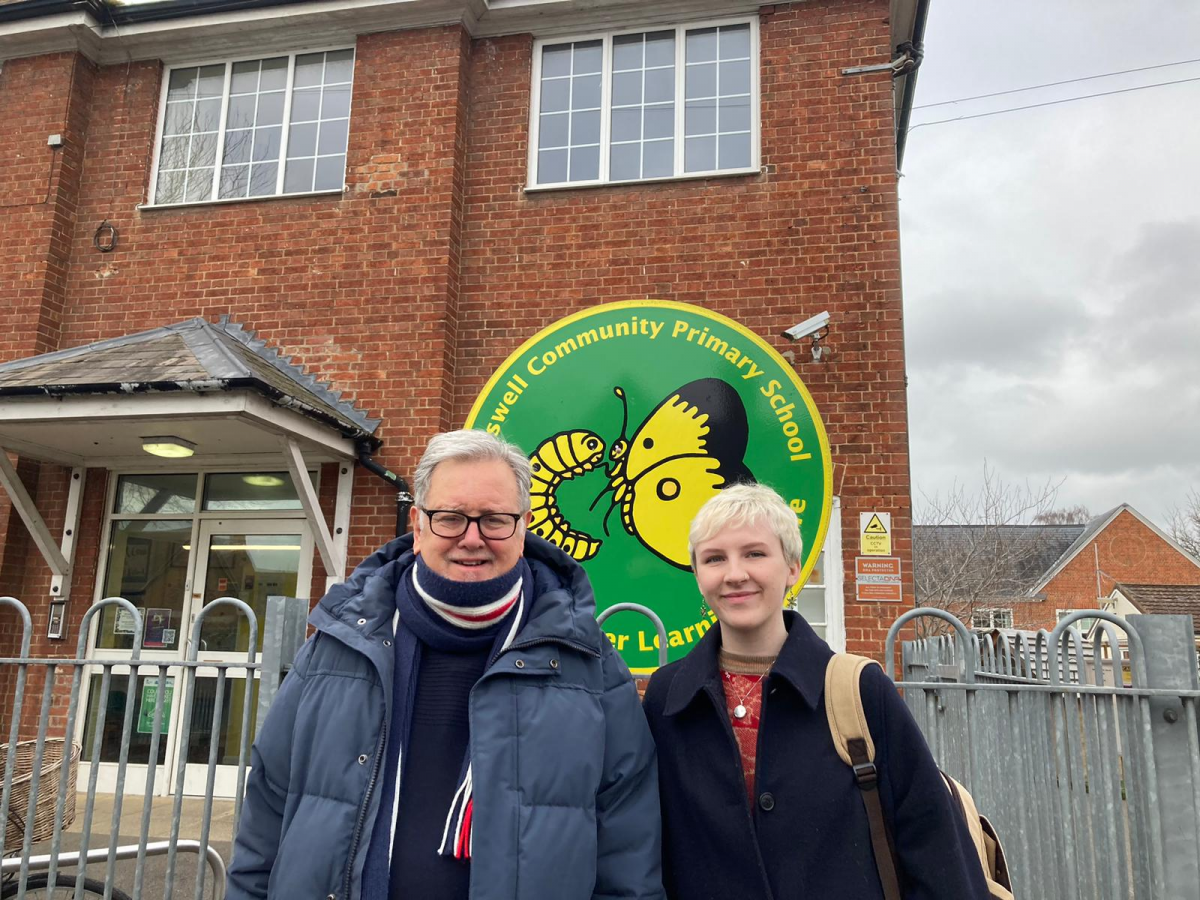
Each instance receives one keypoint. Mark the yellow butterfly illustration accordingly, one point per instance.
(690, 446)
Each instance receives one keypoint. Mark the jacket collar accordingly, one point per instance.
(802, 662)
(563, 606)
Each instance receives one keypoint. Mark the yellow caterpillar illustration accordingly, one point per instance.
(556, 459)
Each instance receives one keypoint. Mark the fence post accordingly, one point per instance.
(1171, 664)
(283, 633)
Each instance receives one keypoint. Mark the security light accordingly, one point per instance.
(168, 446)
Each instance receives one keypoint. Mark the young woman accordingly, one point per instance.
(756, 803)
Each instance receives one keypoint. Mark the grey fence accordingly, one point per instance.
(1083, 753)
(36, 828)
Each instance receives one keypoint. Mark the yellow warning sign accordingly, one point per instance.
(875, 533)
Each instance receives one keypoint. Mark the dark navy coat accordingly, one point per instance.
(564, 780)
(806, 836)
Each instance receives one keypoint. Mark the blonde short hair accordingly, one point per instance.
(745, 504)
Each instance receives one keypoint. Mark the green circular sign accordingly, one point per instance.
(633, 415)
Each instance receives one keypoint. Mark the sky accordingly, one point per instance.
(1052, 256)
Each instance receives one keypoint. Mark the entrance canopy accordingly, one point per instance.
(212, 388)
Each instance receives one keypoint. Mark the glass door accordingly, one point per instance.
(250, 560)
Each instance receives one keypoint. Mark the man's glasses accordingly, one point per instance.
(494, 526)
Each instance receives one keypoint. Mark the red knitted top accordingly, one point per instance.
(742, 677)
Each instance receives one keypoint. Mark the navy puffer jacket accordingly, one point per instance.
(565, 781)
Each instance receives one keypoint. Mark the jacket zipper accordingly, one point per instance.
(362, 811)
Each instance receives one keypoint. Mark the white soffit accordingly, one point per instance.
(103, 430)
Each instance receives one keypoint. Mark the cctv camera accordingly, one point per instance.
(808, 327)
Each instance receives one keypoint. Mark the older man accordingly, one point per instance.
(458, 727)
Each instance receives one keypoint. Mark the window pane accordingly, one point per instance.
(237, 146)
(203, 151)
(270, 109)
(627, 124)
(147, 494)
(339, 66)
(212, 81)
(700, 154)
(585, 92)
(625, 162)
(660, 49)
(811, 604)
(235, 180)
(735, 77)
(309, 69)
(552, 166)
(263, 178)
(199, 185)
(333, 137)
(586, 58)
(701, 45)
(229, 730)
(552, 130)
(245, 78)
(241, 111)
(306, 105)
(182, 84)
(660, 121)
(734, 151)
(658, 159)
(735, 41)
(170, 187)
(335, 103)
(302, 140)
(556, 95)
(660, 85)
(331, 173)
(266, 143)
(174, 153)
(144, 696)
(298, 176)
(147, 565)
(178, 119)
(700, 117)
(208, 115)
(627, 52)
(701, 81)
(556, 60)
(627, 88)
(585, 128)
(585, 163)
(274, 74)
(250, 490)
(248, 567)
(735, 114)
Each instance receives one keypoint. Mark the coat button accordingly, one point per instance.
(362, 621)
(387, 643)
(554, 663)
(766, 801)
(520, 664)
(362, 759)
(331, 897)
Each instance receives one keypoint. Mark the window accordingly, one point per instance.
(254, 128)
(654, 104)
(1084, 625)
(987, 619)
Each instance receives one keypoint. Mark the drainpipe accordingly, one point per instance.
(404, 498)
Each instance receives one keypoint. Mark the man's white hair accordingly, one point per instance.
(471, 445)
(748, 504)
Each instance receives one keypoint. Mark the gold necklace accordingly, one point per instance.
(739, 710)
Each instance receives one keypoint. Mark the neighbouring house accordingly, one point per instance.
(284, 243)
(1030, 577)
(1157, 600)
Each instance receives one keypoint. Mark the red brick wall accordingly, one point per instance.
(410, 288)
(1127, 551)
(816, 230)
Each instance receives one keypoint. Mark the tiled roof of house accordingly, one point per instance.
(1029, 550)
(1165, 599)
(196, 355)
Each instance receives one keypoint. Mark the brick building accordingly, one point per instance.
(1042, 572)
(384, 199)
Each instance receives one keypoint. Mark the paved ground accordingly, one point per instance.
(154, 882)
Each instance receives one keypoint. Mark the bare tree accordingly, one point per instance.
(1184, 523)
(980, 548)
(1065, 515)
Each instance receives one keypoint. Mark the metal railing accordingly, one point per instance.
(1085, 758)
(160, 673)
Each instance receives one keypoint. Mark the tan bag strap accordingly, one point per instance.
(852, 738)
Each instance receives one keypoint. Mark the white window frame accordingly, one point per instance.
(229, 62)
(1003, 612)
(606, 39)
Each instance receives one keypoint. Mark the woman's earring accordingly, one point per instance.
(705, 612)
